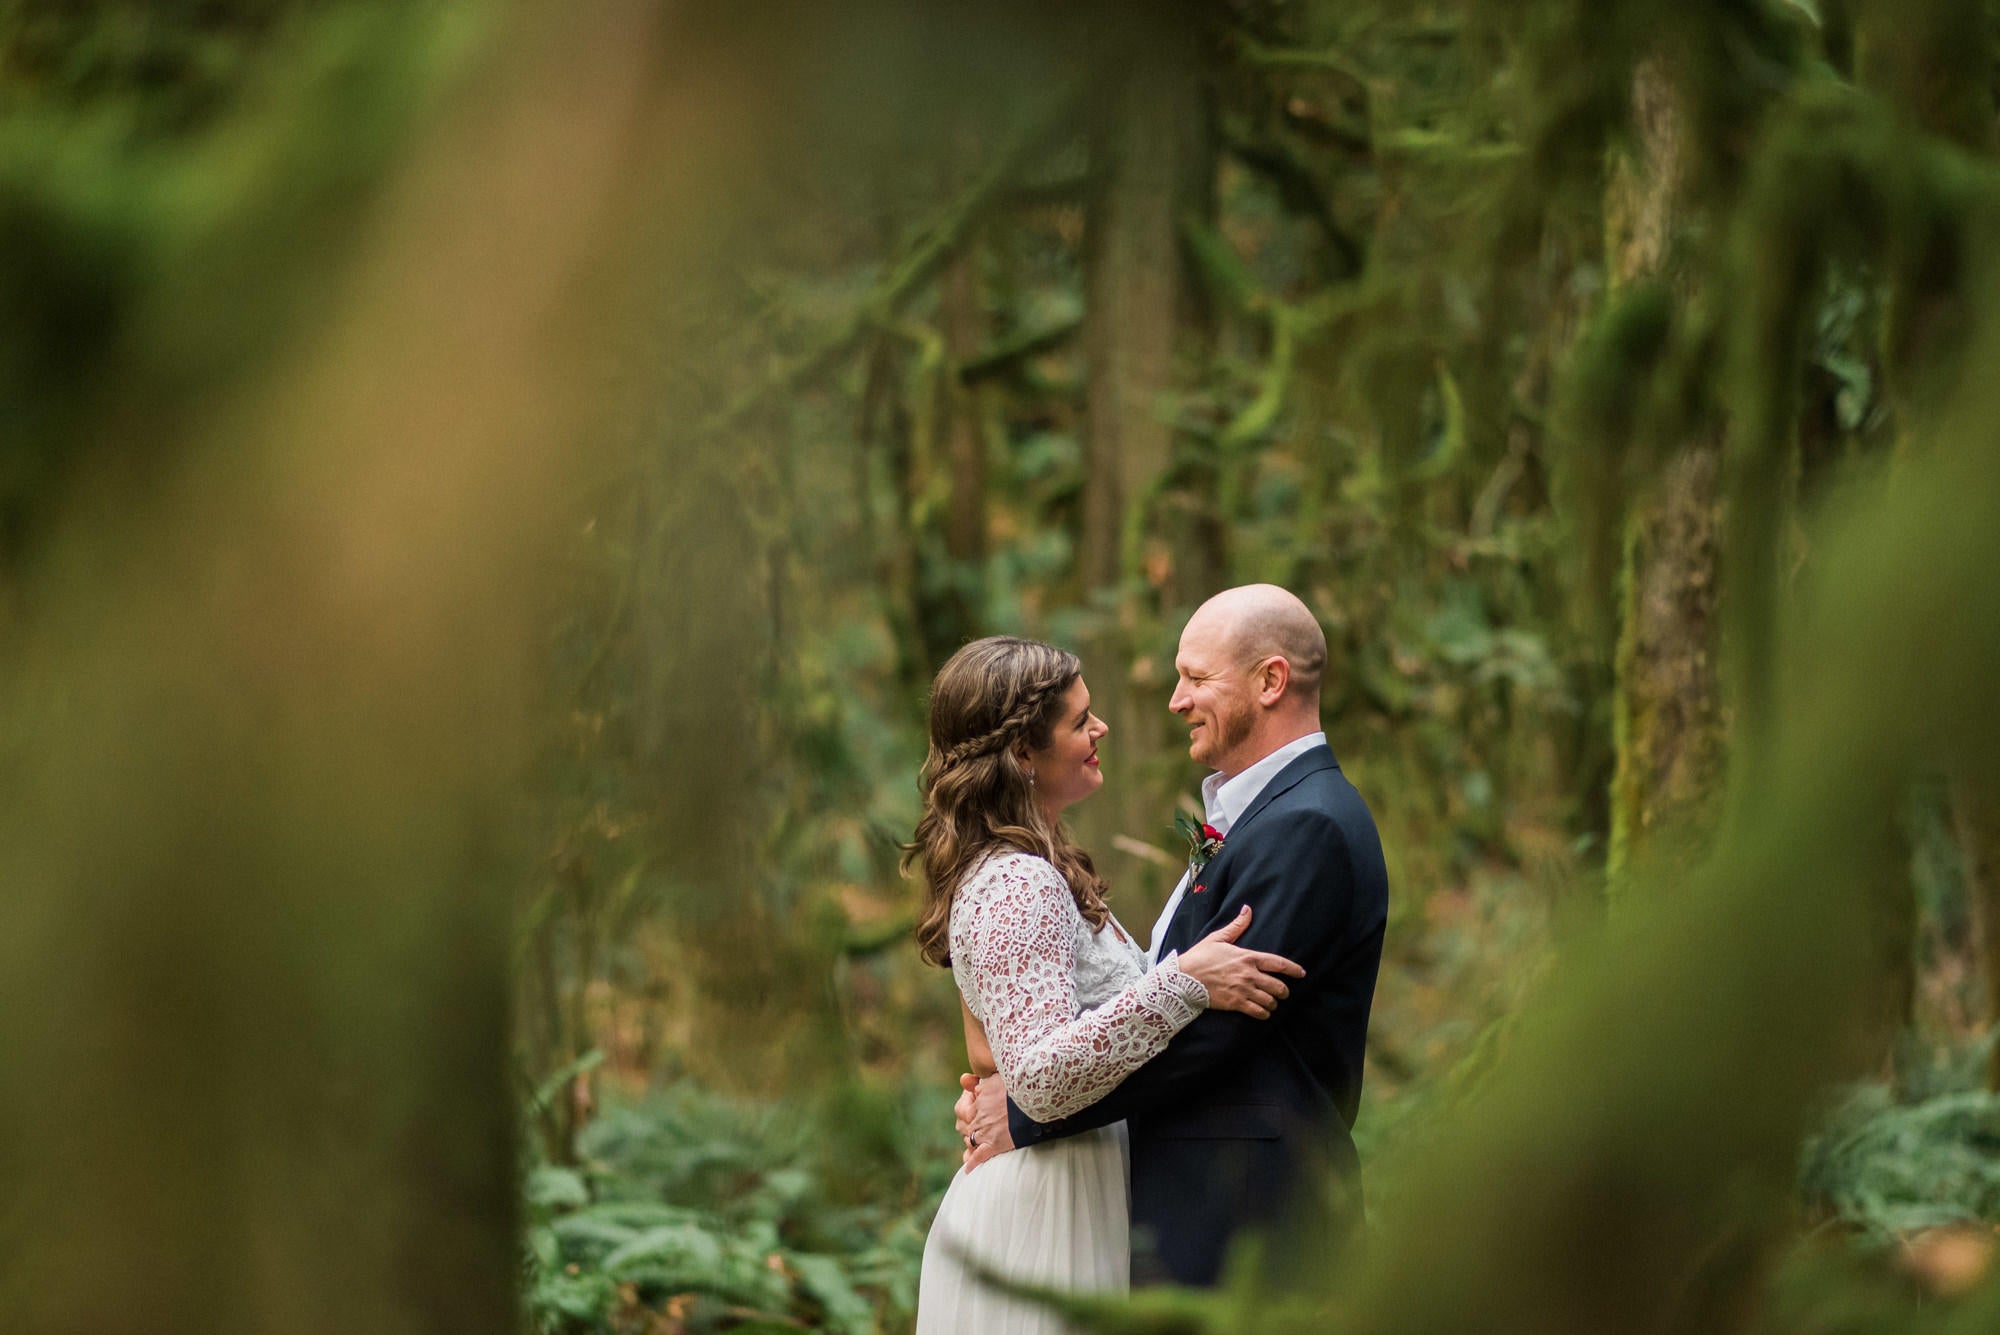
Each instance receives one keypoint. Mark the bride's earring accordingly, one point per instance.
(1031, 778)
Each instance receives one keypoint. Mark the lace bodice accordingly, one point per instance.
(1069, 1011)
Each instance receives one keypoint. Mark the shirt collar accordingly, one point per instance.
(1228, 796)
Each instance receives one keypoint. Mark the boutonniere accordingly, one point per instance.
(1204, 842)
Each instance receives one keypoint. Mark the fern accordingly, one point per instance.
(689, 1203)
(1888, 1167)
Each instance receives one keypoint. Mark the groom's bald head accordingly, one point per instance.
(1259, 621)
(1247, 675)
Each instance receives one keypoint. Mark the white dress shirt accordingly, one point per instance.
(1226, 797)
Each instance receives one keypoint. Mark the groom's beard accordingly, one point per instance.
(1235, 729)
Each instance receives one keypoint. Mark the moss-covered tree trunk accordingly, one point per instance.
(891, 486)
(965, 434)
(1932, 63)
(258, 737)
(1667, 720)
(1133, 294)
(1976, 824)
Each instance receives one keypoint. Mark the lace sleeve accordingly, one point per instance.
(1016, 930)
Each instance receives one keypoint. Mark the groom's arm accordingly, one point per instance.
(1299, 882)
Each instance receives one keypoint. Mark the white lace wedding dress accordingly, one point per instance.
(1069, 1013)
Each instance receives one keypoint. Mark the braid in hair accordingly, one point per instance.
(1020, 719)
(977, 794)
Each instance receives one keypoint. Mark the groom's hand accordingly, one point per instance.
(982, 1119)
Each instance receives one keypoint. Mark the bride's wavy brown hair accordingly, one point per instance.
(994, 697)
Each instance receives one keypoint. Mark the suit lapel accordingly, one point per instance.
(1311, 762)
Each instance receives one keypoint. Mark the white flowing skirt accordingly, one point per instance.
(1057, 1215)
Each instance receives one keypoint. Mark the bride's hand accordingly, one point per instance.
(1242, 980)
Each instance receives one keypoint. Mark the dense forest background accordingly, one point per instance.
(483, 489)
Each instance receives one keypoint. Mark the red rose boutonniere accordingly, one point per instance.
(1204, 842)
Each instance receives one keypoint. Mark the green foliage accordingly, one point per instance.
(1887, 1167)
(170, 65)
(1402, 384)
(725, 1212)
(145, 242)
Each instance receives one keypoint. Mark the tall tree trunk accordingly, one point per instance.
(1667, 725)
(1667, 718)
(1931, 62)
(889, 487)
(1976, 825)
(965, 437)
(961, 408)
(1152, 162)
(1144, 130)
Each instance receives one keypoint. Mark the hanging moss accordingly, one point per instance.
(1838, 177)
(1607, 438)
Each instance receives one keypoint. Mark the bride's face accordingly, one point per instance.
(1066, 769)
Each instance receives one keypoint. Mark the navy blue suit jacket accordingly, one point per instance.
(1244, 1123)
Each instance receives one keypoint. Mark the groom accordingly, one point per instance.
(1244, 1124)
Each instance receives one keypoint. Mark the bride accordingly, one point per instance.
(1056, 994)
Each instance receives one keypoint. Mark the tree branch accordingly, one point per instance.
(933, 249)
(1008, 353)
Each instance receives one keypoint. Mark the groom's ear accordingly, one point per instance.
(1272, 678)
